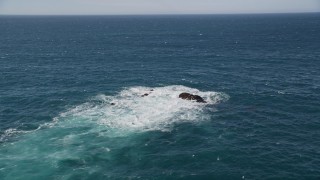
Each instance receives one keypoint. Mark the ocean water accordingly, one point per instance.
(260, 76)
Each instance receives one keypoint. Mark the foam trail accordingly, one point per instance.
(100, 130)
(128, 111)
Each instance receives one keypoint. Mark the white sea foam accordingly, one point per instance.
(157, 111)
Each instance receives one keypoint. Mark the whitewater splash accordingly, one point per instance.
(131, 111)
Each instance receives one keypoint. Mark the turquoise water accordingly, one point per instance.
(260, 75)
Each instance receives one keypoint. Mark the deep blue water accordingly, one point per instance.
(259, 73)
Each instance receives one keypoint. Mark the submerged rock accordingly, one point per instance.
(188, 96)
(146, 94)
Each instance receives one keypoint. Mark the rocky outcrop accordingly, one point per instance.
(146, 94)
(192, 97)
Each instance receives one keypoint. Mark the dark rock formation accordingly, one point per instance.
(146, 94)
(189, 96)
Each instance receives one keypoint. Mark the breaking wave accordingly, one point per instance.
(132, 110)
